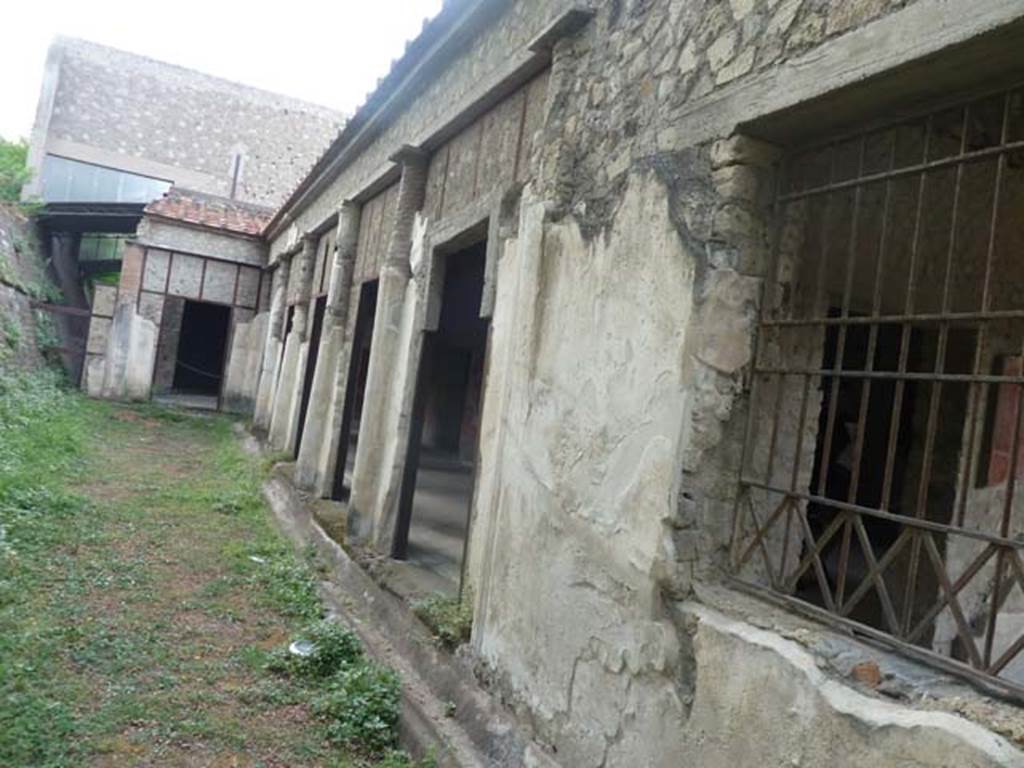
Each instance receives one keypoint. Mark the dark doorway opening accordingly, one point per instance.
(202, 348)
(355, 392)
(440, 469)
(315, 333)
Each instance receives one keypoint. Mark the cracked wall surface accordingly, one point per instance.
(628, 267)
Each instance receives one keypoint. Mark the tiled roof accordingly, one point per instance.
(433, 29)
(209, 211)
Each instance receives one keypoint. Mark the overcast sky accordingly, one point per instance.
(331, 53)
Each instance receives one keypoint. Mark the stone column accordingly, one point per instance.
(272, 346)
(394, 279)
(346, 243)
(279, 297)
(284, 419)
(131, 343)
(305, 263)
(321, 432)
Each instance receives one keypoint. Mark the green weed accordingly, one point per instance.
(104, 512)
(449, 618)
(360, 704)
(333, 648)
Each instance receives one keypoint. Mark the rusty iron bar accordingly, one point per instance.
(924, 482)
(910, 170)
(1004, 530)
(1017, 645)
(862, 415)
(841, 204)
(924, 318)
(963, 378)
(962, 627)
(964, 579)
(795, 472)
(881, 514)
(979, 392)
(953, 318)
(906, 332)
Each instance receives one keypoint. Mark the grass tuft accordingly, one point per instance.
(360, 704)
(143, 587)
(449, 618)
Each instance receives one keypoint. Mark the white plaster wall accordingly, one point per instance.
(401, 390)
(127, 368)
(284, 421)
(181, 237)
(584, 478)
(321, 406)
(341, 339)
(761, 700)
(267, 387)
(244, 360)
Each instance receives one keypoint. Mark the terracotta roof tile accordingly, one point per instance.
(209, 211)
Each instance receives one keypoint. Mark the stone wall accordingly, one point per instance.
(203, 242)
(156, 279)
(24, 331)
(117, 109)
(628, 273)
(465, 79)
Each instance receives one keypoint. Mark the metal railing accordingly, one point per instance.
(878, 487)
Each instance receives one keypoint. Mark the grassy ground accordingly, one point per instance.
(142, 591)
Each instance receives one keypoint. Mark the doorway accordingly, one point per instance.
(440, 468)
(202, 349)
(355, 391)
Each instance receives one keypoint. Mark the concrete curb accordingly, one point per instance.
(481, 732)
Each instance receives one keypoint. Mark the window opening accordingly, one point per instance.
(878, 487)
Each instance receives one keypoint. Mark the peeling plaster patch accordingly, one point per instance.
(742, 668)
(587, 479)
(727, 320)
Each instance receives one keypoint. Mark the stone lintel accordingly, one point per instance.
(566, 24)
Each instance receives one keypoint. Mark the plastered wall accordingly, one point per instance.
(628, 274)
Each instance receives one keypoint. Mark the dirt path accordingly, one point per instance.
(165, 597)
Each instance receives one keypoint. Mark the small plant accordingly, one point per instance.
(47, 336)
(333, 648)
(289, 586)
(449, 618)
(274, 458)
(360, 705)
(13, 169)
(398, 759)
(11, 331)
(234, 501)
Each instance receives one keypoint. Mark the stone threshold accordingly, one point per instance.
(445, 710)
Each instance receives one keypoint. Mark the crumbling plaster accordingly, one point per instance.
(813, 718)
(174, 236)
(623, 325)
(247, 342)
(586, 478)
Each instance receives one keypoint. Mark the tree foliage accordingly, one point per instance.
(13, 170)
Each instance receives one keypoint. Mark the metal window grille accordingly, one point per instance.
(879, 480)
